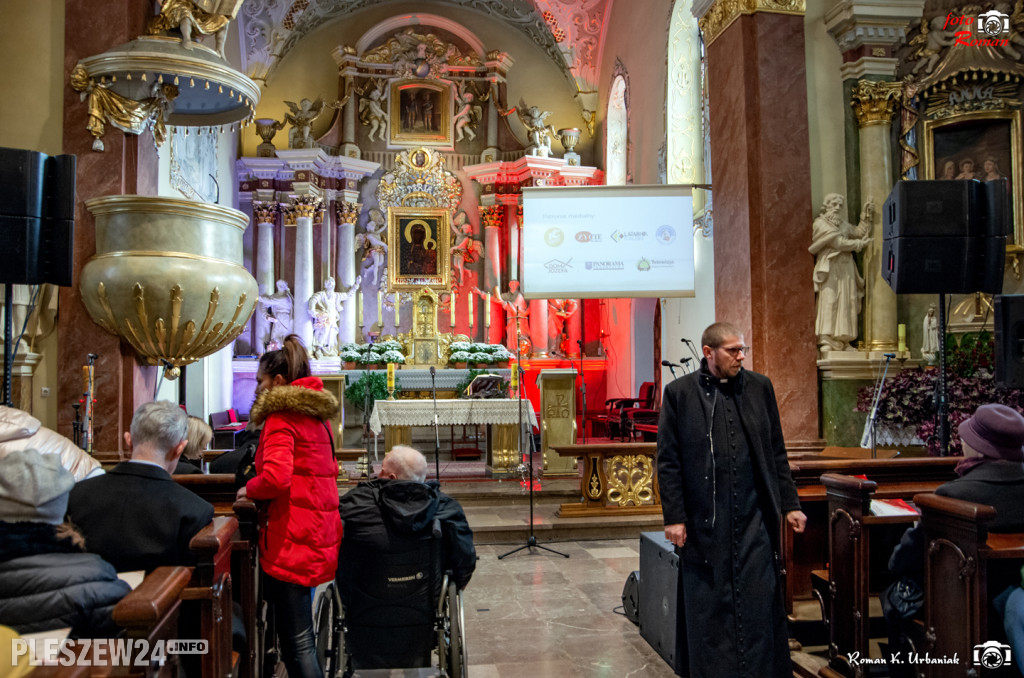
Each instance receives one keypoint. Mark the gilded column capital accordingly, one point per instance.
(264, 212)
(875, 102)
(289, 214)
(306, 206)
(347, 212)
(722, 13)
(493, 216)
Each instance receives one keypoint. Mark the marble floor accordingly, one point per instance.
(535, 614)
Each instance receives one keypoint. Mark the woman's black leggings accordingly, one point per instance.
(293, 616)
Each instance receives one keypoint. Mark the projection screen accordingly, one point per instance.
(607, 241)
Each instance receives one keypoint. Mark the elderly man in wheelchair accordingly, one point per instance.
(406, 554)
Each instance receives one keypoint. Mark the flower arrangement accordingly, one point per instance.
(911, 396)
(479, 357)
(350, 355)
(393, 356)
(460, 346)
(459, 356)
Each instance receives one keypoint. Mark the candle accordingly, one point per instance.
(359, 308)
(398, 302)
(901, 331)
(487, 310)
(380, 305)
(514, 380)
(470, 310)
(451, 309)
(391, 376)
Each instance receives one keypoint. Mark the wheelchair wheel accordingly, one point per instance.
(456, 640)
(323, 624)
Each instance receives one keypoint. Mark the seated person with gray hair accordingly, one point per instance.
(401, 499)
(135, 515)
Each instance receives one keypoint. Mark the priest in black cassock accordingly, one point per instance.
(725, 485)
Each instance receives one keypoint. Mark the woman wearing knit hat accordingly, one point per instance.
(47, 581)
(991, 473)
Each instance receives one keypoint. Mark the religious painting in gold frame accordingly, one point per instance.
(421, 114)
(979, 145)
(419, 242)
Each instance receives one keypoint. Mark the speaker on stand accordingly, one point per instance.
(1009, 325)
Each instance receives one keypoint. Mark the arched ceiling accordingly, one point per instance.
(570, 32)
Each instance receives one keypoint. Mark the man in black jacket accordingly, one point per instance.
(135, 516)
(410, 505)
(725, 485)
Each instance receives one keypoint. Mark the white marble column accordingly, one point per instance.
(347, 213)
(348, 129)
(492, 217)
(265, 215)
(874, 104)
(305, 206)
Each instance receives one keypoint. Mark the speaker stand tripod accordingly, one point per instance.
(531, 540)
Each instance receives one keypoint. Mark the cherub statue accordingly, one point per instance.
(590, 119)
(538, 132)
(375, 242)
(371, 111)
(467, 116)
(278, 312)
(929, 43)
(466, 249)
(188, 16)
(301, 117)
(325, 309)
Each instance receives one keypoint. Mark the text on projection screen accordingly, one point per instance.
(608, 241)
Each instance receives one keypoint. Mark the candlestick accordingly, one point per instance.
(359, 308)
(487, 310)
(380, 306)
(451, 309)
(470, 310)
(398, 302)
(901, 332)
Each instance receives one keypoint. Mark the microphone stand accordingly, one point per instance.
(672, 369)
(437, 436)
(873, 414)
(531, 540)
(583, 392)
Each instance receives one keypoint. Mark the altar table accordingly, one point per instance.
(500, 413)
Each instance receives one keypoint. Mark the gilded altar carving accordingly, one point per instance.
(346, 212)
(264, 212)
(419, 55)
(630, 480)
(305, 206)
(419, 179)
(135, 117)
(724, 12)
(874, 103)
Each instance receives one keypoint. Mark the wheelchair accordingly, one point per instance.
(389, 609)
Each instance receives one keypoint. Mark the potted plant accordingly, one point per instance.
(458, 359)
(500, 356)
(374, 383)
(350, 358)
(393, 356)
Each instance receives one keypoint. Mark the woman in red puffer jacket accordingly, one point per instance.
(297, 478)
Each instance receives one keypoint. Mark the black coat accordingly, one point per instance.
(999, 484)
(48, 583)
(686, 464)
(410, 509)
(137, 517)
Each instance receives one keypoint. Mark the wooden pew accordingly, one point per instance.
(961, 562)
(210, 588)
(899, 478)
(850, 530)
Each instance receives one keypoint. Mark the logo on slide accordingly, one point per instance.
(556, 266)
(619, 236)
(554, 237)
(587, 236)
(665, 234)
(643, 264)
(604, 266)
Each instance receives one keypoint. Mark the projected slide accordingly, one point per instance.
(607, 241)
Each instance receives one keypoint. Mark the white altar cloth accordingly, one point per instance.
(449, 412)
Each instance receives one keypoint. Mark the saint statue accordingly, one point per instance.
(277, 310)
(374, 240)
(561, 310)
(930, 336)
(837, 281)
(517, 316)
(325, 309)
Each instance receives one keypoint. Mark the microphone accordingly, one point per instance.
(685, 360)
(433, 370)
(889, 355)
(93, 356)
(579, 342)
(667, 363)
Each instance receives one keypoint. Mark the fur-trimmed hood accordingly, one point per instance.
(304, 396)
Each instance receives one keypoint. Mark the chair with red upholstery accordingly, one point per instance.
(613, 418)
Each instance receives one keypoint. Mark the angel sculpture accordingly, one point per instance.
(301, 119)
(186, 16)
(468, 115)
(465, 250)
(375, 242)
(539, 133)
(590, 118)
(371, 111)
(929, 43)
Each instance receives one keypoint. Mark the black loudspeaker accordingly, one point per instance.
(944, 237)
(37, 217)
(1009, 321)
(631, 597)
(661, 614)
